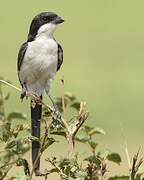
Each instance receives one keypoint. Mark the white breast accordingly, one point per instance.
(39, 64)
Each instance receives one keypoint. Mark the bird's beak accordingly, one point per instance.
(58, 20)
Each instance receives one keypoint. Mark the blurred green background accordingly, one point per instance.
(103, 44)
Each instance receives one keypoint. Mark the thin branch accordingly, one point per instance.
(127, 155)
(63, 100)
(9, 84)
(56, 167)
(74, 127)
(2, 105)
(71, 130)
(82, 116)
(135, 165)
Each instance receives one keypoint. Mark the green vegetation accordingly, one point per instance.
(15, 141)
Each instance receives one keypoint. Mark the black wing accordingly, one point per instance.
(21, 54)
(60, 57)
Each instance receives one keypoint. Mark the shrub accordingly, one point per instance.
(16, 140)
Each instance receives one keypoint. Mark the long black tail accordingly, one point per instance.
(36, 113)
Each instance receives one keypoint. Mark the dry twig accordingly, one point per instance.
(135, 166)
(71, 129)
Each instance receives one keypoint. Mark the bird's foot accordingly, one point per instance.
(23, 95)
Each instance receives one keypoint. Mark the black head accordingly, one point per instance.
(40, 20)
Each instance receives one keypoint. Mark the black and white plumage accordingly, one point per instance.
(39, 58)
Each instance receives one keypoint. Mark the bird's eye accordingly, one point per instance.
(44, 18)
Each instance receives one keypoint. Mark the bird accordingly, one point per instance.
(39, 59)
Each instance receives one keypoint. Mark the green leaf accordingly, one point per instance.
(1, 115)
(114, 157)
(119, 178)
(93, 159)
(64, 162)
(20, 148)
(70, 96)
(11, 144)
(138, 176)
(96, 131)
(19, 177)
(16, 115)
(5, 132)
(76, 105)
(103, 153)
(1, 102)
(67, 164)
(93, 144)
(24, 163)
(87, 128)
(54, 170)
(82, 138)
(48, 142)
(60, 132)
